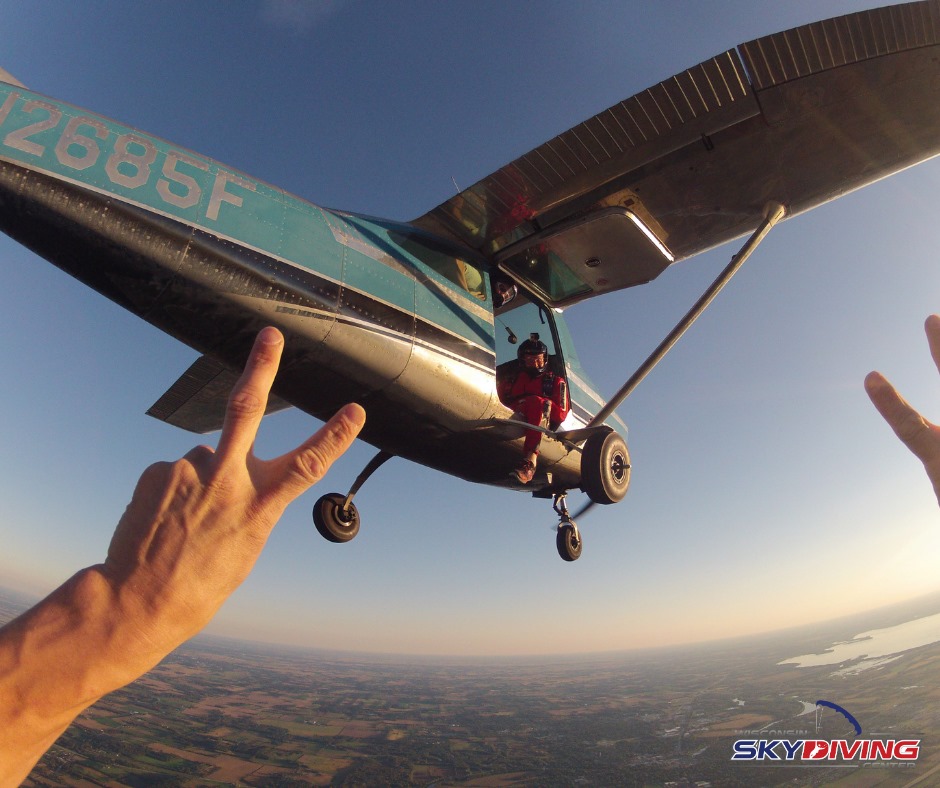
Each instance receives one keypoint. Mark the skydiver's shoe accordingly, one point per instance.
(525, 471)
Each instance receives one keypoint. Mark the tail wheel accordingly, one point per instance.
(605, 468)
(335, 523)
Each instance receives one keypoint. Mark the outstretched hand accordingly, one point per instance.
(190, 535)
(194, 528)
(918, 434)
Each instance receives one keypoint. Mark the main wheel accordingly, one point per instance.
(568, 543)
(605, 467)
(334, 523)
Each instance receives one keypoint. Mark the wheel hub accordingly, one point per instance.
(618, 467)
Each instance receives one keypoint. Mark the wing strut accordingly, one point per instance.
(773, 213)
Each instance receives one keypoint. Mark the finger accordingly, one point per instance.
(198, 454)
(298, 470)
(915, 431)
(249, 397)
(932, 328)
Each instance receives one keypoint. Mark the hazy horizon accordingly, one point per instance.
(914, 609)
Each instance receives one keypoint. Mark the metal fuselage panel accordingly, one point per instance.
(209, 256)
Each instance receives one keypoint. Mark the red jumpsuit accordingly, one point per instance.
(528, 393)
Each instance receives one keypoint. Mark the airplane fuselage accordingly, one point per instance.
(210, 255)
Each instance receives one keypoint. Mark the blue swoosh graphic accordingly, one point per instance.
(843, 712)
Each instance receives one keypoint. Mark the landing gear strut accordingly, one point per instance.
(568, 539)
(335, 515)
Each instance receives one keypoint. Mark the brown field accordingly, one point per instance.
(497, 780)
(225, 768)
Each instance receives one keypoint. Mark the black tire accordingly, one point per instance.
(605, 467)
(568, 543)
(333, 523)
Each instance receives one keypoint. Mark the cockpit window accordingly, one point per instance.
(443, 261)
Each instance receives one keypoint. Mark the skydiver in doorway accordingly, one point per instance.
(539, 394)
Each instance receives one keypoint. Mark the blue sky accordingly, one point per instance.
(766, 490)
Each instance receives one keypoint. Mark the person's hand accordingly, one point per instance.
(194, 528)
(918, 434)
(192, 532)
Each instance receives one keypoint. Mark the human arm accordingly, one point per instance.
(560, 398)
(190, 535)
(918, 434)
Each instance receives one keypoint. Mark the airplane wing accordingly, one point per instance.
(800, 118)
(197, 400)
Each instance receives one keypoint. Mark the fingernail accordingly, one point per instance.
(355, 413)
(270, 336)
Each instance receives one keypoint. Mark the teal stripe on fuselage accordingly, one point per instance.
(87, 149)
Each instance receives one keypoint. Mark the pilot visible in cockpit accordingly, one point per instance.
(533, 389)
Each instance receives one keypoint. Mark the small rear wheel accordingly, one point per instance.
(568, 542)
(335, 523)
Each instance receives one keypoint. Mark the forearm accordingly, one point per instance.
(80, 643)
(190, 535)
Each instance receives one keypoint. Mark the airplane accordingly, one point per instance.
(411, 319)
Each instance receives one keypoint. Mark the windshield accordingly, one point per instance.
(443, 261)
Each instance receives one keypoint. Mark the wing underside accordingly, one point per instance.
(800, 117)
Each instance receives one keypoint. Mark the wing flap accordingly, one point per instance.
(196, 401)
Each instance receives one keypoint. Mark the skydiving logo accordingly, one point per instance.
(806, 752)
